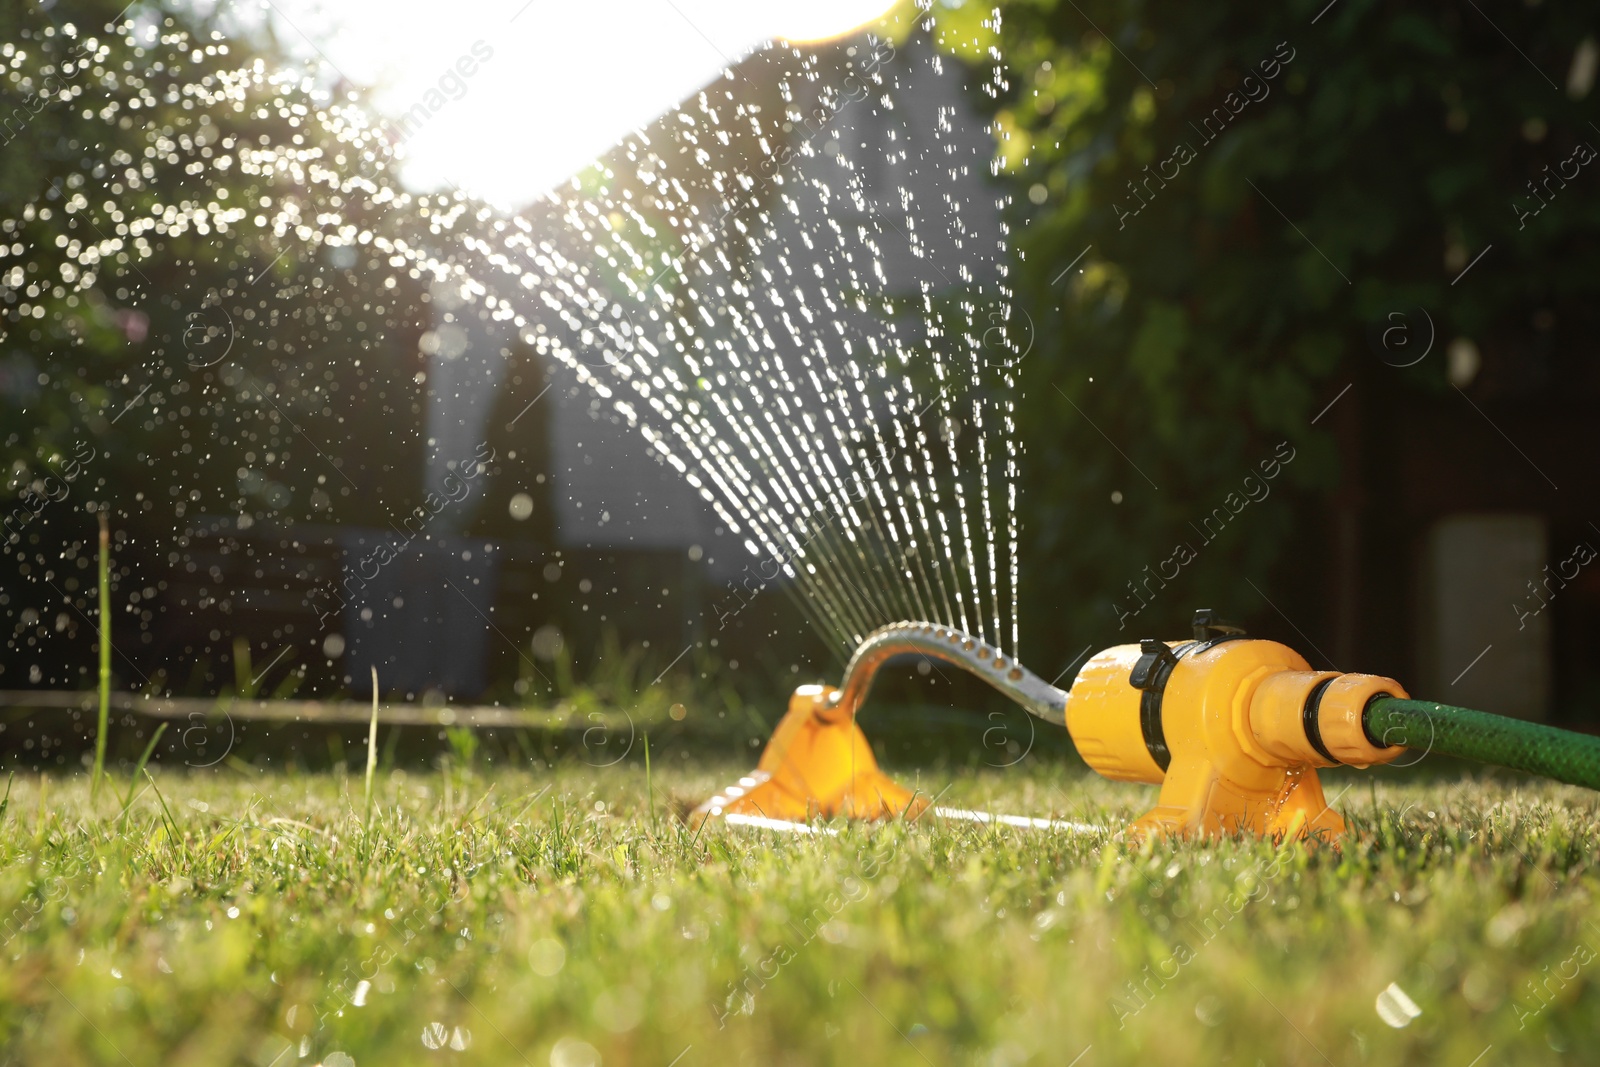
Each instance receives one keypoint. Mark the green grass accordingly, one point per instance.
(548, 919)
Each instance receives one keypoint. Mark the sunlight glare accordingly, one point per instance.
(509, 98)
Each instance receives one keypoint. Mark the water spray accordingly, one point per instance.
(1232, 728)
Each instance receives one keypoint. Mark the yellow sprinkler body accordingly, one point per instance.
(1231, 728)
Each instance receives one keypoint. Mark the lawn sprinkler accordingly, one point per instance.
(1232, 728)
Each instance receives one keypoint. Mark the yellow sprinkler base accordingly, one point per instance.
(816, 765)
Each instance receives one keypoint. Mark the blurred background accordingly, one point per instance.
(1304, 309)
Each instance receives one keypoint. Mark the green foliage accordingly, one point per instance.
(627, 689)
(173, 309)
(1201, 327)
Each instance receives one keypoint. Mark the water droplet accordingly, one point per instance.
(1396, 1008)
(547, 957)
(574, 1052)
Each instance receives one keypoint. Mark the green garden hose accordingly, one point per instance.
(1476, 735)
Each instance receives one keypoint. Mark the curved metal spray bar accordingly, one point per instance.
(953, 646)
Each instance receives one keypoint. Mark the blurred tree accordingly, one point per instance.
(1244, 196)
(173, 308)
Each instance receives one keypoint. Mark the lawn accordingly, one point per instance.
(567, 917)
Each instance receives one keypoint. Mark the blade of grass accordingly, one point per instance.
(372, 744)
(243, 685)
(6, 803)
(38, 820)
(647, 786)
(479, 803)
(148, 749)
(290, 683)
(389, 746)
(522, 810)
(172, 824)
(105, 656)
